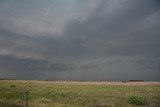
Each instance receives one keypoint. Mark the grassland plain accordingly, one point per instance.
(77, 94)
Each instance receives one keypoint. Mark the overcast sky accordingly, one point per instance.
(97, 40)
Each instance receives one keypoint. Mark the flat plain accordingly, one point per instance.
(77, 94)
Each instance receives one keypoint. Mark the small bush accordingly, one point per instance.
(12, 86)
(137, 100)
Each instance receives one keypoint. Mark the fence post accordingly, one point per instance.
(26, 98)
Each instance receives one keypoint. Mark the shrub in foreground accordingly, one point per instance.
(137, 100)
(12, 86)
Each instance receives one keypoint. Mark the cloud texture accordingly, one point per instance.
(80, 39)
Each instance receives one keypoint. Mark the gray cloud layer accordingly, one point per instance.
(45, 37)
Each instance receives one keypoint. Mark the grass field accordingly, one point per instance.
(78, 94)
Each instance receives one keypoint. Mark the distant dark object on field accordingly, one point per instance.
(136, 80)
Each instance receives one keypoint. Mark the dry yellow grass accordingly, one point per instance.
(145, 83)
(78, 94)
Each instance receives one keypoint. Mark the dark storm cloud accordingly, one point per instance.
(34, 65)
(30, 68)
(149, 64)
(122, 34)
(88, 66)
(69, 33)
(112, 62)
